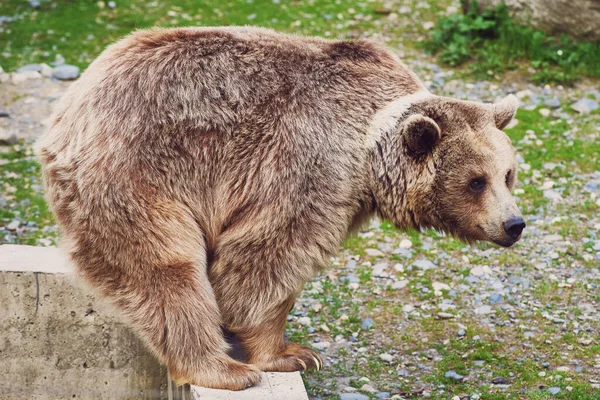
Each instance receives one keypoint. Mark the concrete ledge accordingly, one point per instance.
(57, 341)
(274, 386)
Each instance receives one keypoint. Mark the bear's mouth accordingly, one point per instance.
(503, 243)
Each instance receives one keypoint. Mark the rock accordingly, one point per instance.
(500, 381)
(552, 103)
(367, 323)
(424, 264)
(4, 114)
(577, 18)
(46, 70)
(402, 372)
(553, 238)
(66, 72)
(439, 286)
(382, 395)
(461, 332)
(353, 396)
(405, 244)
(368, 388)
(13, 225)
(480, 270)
(554, 390)
(305, 321)
(399, 285)
(7, 138)
(386, 357)
(454, 376)
(321, 345)
(552, 195)
(495, 298)
(30, 67)
(545, 112)
(584, 106)
(20, 77)
(482, 310)
(428, 25)
(374, 253)
(445, 315)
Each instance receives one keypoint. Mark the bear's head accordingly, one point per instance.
(446, 164)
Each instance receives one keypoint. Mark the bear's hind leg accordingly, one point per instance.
(154, 271)
(265, 346)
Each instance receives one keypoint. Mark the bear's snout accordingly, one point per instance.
(514, 227)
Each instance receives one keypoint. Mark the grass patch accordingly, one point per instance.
(80, 29)
(490, 42)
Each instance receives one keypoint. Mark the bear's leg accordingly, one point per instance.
(265, 346)
(172, 306)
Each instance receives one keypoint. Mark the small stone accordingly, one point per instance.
(482, 310)
(7, 139)
(552, 103)
(321, 345)
(367, 323)
(500, 381)
(46, 70)
(554, 390)
(545, 112)
(353, 396)
(20, 77)
(495, 298)
(66, 72)
(304, 321)
(585, 105)
(454, 376)
(111, 4)
(424, 264)
(399, 268)
(405, 244)
(439, 286)
(382, 395)
(386, 357)
(461, 332)
(399, 285)
(4, 114)
(428, 25)
(13, 225)
(30, 67)
(368, 388)
(445, 315)
(374, 253)
(403, 372)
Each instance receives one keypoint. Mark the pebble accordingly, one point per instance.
(454, 376)
(405, 244)
(367, 323)
(374, 253)
(495, 298)
(482, 310)
(500, 381)
(353, 396)
(461, 332)
(585, 105)
(552, 103)
(7, 138)
(424, 264)
(398, 285)
(554, 390)
(13, 226)
(66, 72)
(386, 357)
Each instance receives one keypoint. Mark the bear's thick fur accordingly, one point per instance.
(201, 176)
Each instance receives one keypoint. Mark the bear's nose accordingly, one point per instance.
(514, 226)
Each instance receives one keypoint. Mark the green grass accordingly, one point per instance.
(490, 42)
(80, 29)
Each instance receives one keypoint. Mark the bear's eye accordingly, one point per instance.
(477, 184)
(507, 179)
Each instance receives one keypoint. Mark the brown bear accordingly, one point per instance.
(200, 176)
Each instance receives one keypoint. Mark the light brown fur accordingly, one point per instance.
(202, 176)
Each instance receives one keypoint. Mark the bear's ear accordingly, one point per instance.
(505, 110)
(420, 134)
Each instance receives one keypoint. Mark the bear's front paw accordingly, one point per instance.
(221, 374)
(294, 357)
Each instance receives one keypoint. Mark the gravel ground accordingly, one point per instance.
(417, 314)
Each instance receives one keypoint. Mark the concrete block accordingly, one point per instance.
(58, 341)
(274, 386)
